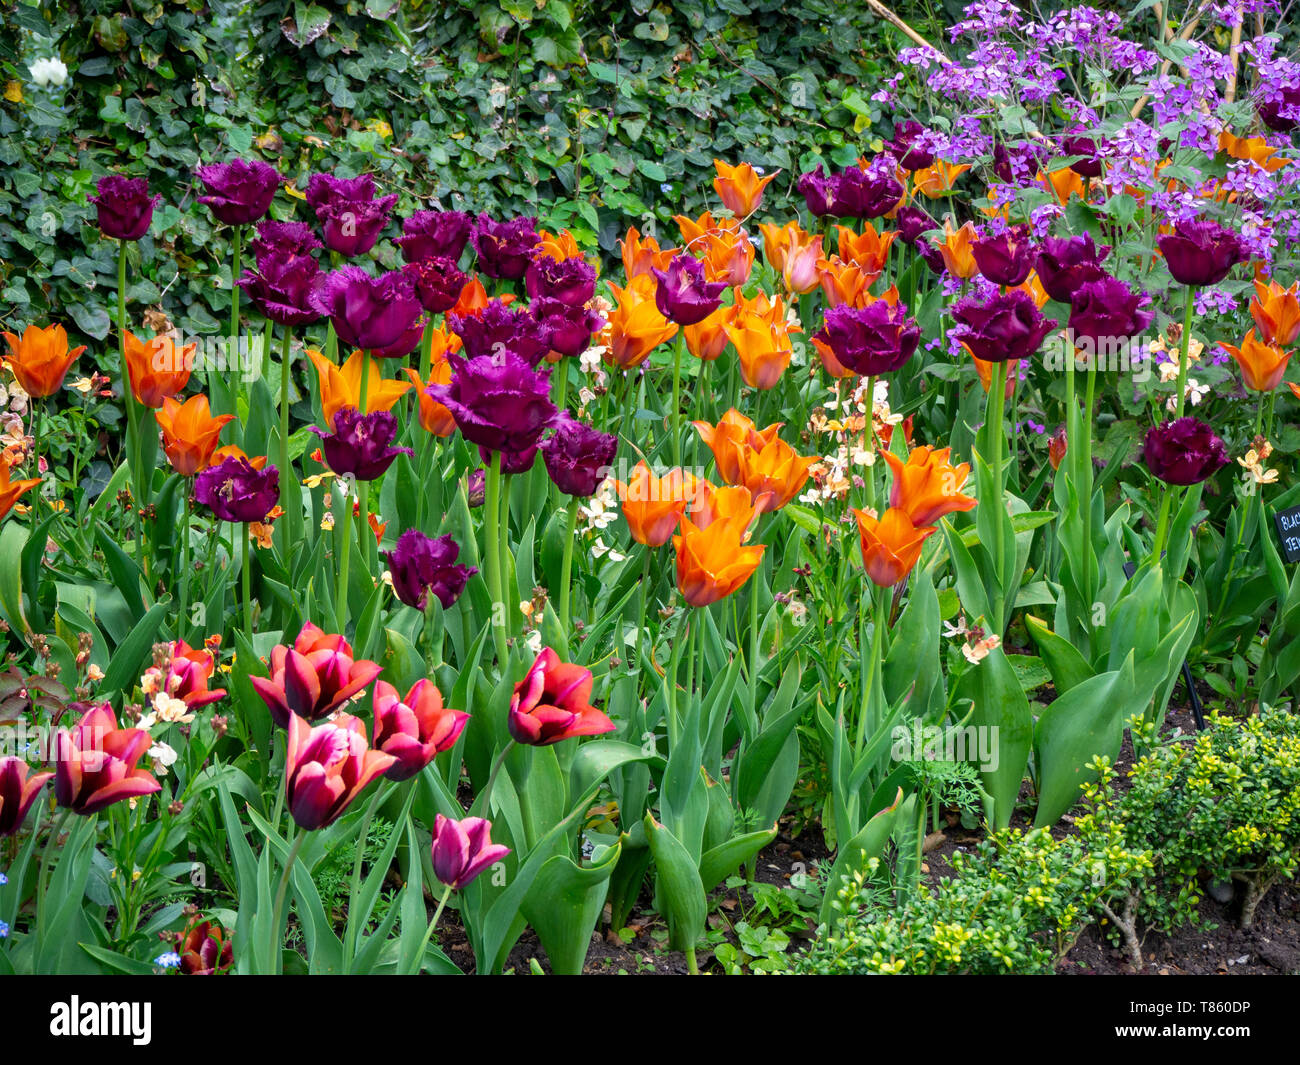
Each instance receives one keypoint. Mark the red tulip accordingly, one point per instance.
(415, 728)
(326, 767)
(463, 849)
(552, 704)
(312, 678)
(17, 793)
(95, 763)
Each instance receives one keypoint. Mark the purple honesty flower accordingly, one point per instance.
(1003, 326)
(284, 289)
(870, 340)
(429, 233)
(438, 282)
(499, 401)
(498, 328)
(684, 294)
(239, 192)
(1067, 263)
(237, 492)
(1201, 251)
(124, 206)
(578, 457)
(911, 155)
(1108, 310)
(1006, 258)
(373, 313)
(420, 565)
(283, 239)
(570, 328)
(571, 281)
(361, 443)
(505, 248)
(1185, 451)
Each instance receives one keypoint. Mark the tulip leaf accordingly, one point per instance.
(1067, 667)
(124, 667)
(564, 904)
(680, 888)
(12, 537)
(855, 853)
(718, 863)
(1001, 708)
(126, 574)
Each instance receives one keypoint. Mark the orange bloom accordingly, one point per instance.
(40, 360)
(1033, 287)
(890, 545)
(634, 328)
(234, 451)
(761, 334)
(723, 247)
(473, 298)
(639, 254)
(938, 178)
(985, 370)
(558, 246)
(845, 282)
(739, 187)
(1256, 149)
(1057, 445)
(928, 486)
(793, 253)
(341, 386)
(773, 474)
(11, 490)
(708, 503)
(956, 250)
(1295, 389)
(157, 368)
(733, 434)
(653, 505)
(1063, 184)
(189, 433)
(707, 340)
(1276, 312)
(434, 417)
(712, 562)
(868, 249)
(376, 526)
(1262, 365)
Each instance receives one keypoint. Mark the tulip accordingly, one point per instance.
(124, 207)
(205, 949)
(1066, 264)
(571, 281)
(283, 240)
(1262, 365)
(1255, 149)
(504, 248)
(773, 474)
(559, 246)
(794, 254)
(710, 503)
(722, 246)
(1183, 452)
(238, 192)
(512, 461)
(438, 282)
(938, 178)
(682, 293)
(1005, 326)
(420, 565)
(652, 505)
(476, 488)
(1201, 252)
(910, 154)
(928, 486)
(414, 729)
(739, 187)
(1006, 258)
(463, 849)
(1090, 165)
(474, 298)
(188, 671)
(361, 443)
(570, 328)
(340, 387)
(707, 340)
(284, 288)
(352, 226)
(890, 545)
(577, 457)
(957, 250)
(499, 402)
(95, 763)
(1276, 311)
(236, 491)
(499, 328)
(375, 313)
(1279, 106)
(1106, 310)
(635, 326)
(761, 334)
(713, 561)
(1015, 161)
(860, 193)
(1057, 445)
(40, 360)
(733, 435)
(313, 678)
(326, 189)
(434, 417)
(326, 767)
(553, 703)
(157, 368)
(869, 249)
(189, 433)
(641, 254)
(427, 234)
(17, 793)
(1064, 184)
(871, 340)
(11, 491)
(985, 371)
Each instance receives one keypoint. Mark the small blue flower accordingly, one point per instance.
(170, 960)
(4, 930)
(3, 880)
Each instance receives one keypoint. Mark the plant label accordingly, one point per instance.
(1288, 532)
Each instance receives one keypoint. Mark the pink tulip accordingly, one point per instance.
(17, 793)
(415, 729)
(552, 703)
(463, 849)
(326, 767)
(312, 678)
(95, 763)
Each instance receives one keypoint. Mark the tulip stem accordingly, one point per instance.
(753, 649)
(869, 482)
(1184, 345)
(237, 246)
(245, 580)
(277, 937)
(41, 885)
(678, 347)
(880, 615)
(1162, 525)
(286, 477)
(993, 423)
(428, 935)
(1089, 557)
(692, 966)
(492, 517)
(352, 931)
(128, 401)
(183, 569)
(566, 569)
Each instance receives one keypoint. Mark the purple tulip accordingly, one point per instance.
(683, 294)
(1090, 165)
(283, 239)
(904, 147)
(463, 849)
(505, 248)
(859, 194)
(1185, 451)
(913, 223)
(323, 189)
(373, 313)
(429, 233)
(570, 328)
(1279, 107)
(420, 565)
(818, 191)
(236, 492)
(284, 289)
(499, 401)
(571, 281)
(352, 227)
(1013, 162)
(360, 443)
(1065, 264)
(513, 461)
(578, 457)
(1007, 258)
(498, 328)
(1005, 326)
(239, 192)
(476, 490)
(124, 206)
(1201, 252)
(1107, 310)
(870, 340)
(438, 281)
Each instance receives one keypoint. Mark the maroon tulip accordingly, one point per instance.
(1108, 310)
(818, 191)
(283, 240)
(505, 248)
(1185, 451)
(326, 767)
(1006, 258)
(285, 289)
(352, 227)
(571, 281)
(1201, 252)
(578, 457)
(205, 949)
(862, 194)
(420, 564)
(570, 328)
(361, 443)
(499, 328)
(427, 234)
(372, 313)
(235, 491)
(313, 678)
(17, 793)
(513, 461)
(124, 207)
(438, 282)
(463, 849)
(870, 340)
(1006, 326)
(326, 189)
(1279, 106)
(188, 671)
(414, 729)
(684, 294)
(1066, 264)
(476, 489)
(1090, 165)
(905, 148)
(95, 762)
(552, 703)
(499, 402)
(238, 192)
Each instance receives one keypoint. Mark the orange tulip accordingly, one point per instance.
(234, 451)
(1256, 149)
(890, 545)
(761, 334)
(1262, 365)
(634, 328)
(641, 254)
(1033, 287)
(473, 298)
(938, 178)
(985, 370)
(733, 434)
(559, 246)
(723, 247)
(434, 417)
(794, 254)
(157, 368)
(739, 187)
(773, 474)
(11, 490)
(1276, 312)
(189, 433)
(1057, 445)
(712, 562)
(708, 503)
(707, 340)
(928, 486)
(845, 282)
(830, 363)
(868, 249)
(1062, 184)
(653, 505)
(341, 386)
(956, 250)
(40, 360)
(1295, 389)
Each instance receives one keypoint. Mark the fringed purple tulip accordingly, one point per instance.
(499, 402)
(238, 192)
(1201, 252)
(499, 328)
(1107, 310)
(505, 248)
(1185, 451)
(870, 340)
(1006, 258)
(1003, 327)
(372, 313)
(124, 207)
(570, 328)
(427, 234)
(907, 147)
(421, 565)
(570, 281)
(578, 457)
(1066, 264)
(235, 491)
(684, 294)
(361, 443)
(438, 282)
(285, 289)
(282, 240)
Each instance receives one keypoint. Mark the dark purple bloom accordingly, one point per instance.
(1201, 252)
(360, 443)
(571, 281)
(124, 206)
(1067, 263)
(499, 401)
(1090, 165)
(284, 288)
(1007, 258)
(438, 281)
(374, 313)
(870, 340)
(234, 491)
(352, 227)
(429, 233)
(570, 328)
(903, 146)
(1279, 107)
(1005, 326)
(505, 248)
(578, 457)
(498, 328)
(913, 224)
(282, 239)
(1185, 451)
(1107, 310)
(420, 565)
(1018, 161)
(323, 189)
(239, 192)
(512, 461)
(818, 191)
(859, 194)
(684, 294)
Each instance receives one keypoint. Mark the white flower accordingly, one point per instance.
(51, 71)
(162, 755)
(534, 641)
